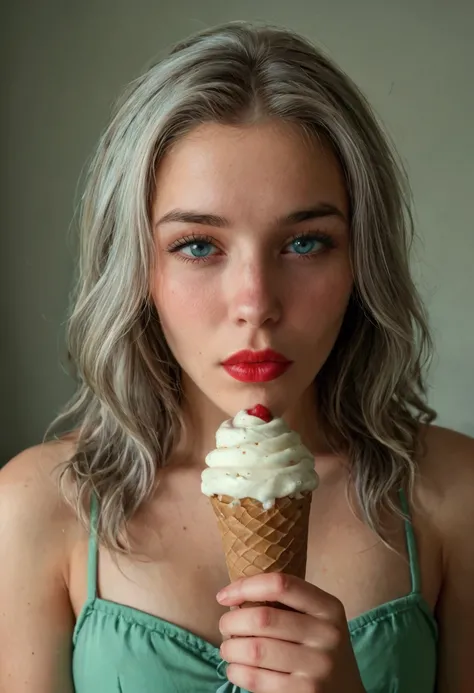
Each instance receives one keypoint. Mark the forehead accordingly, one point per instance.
(249, 170)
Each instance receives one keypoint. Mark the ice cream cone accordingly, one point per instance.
(260, 480)
(258, 540)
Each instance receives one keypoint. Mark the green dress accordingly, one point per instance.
(118, 649)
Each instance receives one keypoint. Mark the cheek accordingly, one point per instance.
(328, 292)
(319, 306)
(184, 301)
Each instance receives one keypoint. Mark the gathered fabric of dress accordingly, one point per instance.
(118, 649)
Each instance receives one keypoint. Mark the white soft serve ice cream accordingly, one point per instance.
(258, 459)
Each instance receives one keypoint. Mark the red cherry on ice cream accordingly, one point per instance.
(262, 413)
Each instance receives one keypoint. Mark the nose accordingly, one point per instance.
(253, 293)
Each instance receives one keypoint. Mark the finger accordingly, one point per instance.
(262, 681)
(259, 680)
(275, 655)
(289, 626)
(285, 589)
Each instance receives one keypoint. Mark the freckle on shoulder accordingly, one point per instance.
(29, 486)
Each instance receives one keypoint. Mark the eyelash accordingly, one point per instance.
(319, 236)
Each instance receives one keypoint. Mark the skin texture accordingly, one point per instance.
(254, 291)
(252, 294)
(36, 619)
(307, 649)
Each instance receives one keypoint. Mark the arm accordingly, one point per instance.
(36, 620)
(455, 608)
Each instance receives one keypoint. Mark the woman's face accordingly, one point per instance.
(251, 228)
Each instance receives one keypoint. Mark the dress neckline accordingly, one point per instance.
(151, 622)
(160, 625)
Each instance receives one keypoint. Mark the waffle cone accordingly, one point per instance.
(257, 541)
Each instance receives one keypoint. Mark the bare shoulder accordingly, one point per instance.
(37, 467)
(447, 487)
(447, 456)
(37, 530)
(30, 501)
(446, 476)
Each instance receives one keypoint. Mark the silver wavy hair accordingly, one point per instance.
(127, 408)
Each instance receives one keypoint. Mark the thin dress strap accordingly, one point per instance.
(411, 544)
(92, 555)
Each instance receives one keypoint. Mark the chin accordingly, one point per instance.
(275, 397)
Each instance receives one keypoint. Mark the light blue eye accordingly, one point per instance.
(198, 249)
(304, 245)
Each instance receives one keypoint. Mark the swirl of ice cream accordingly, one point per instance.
(258, 459)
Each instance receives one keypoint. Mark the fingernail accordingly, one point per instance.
(222, 595)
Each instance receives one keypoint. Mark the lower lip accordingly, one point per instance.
(257, 372)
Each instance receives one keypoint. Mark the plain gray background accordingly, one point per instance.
(64, 64)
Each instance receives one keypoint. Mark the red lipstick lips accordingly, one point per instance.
(256, 366)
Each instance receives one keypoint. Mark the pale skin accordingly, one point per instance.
(253, 292)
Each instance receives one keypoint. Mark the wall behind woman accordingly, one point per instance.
(65, 64)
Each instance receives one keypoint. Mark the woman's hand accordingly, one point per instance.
(273, 650)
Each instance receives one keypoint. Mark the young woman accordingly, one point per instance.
(243, 197)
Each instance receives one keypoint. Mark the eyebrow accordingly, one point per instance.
(323, 209)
